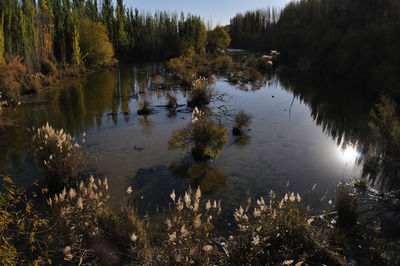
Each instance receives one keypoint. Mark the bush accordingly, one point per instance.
(251, 75)
(182, 69)
(222, 63)
(12, 80)
(265, 63)
(277, 233)
(95, 43)
(201, 93)
(60, 156)
(24, 236)
(361, 185)
(203, 137)
(242, 120)
(47, 67)
(91, 231)
(189, 230)
(347, 208)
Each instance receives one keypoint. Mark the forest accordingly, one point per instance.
(352, 39)
(56, 31)
(43, 41)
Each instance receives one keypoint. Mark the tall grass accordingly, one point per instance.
(59, 155)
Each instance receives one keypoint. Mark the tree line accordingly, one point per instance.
(69, 32)
(356, 39)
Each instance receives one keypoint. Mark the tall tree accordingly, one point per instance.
(2, 48)
(76, 50)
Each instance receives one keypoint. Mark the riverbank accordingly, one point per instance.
(17, 84)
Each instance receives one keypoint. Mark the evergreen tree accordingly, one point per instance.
(2, 48)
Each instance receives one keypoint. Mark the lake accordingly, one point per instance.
(304, 131)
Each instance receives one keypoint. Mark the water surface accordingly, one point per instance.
(295, 140)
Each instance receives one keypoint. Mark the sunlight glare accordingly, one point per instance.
(349, 154)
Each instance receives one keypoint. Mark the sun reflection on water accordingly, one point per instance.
(349, 154)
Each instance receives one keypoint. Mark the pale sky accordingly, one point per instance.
(218, 11)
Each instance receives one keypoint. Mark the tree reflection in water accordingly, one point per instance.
(367, 130)
(202, 174)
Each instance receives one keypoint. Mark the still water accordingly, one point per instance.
(295, 139)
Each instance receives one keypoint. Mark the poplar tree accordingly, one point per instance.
(76, 54)
(2, 48)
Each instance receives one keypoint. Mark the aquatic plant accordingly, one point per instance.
(203, 137)
(242, 120)
(182, 70)
(221, 63)
(172, 101)
(144, 107)
(201, 93)
(59, 155)
(91, 230)
(189, 231)
(361, 185)
(263, 64)
(347, 208)
(250, 74)
(185, 70)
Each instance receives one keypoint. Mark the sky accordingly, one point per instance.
(218, 11)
